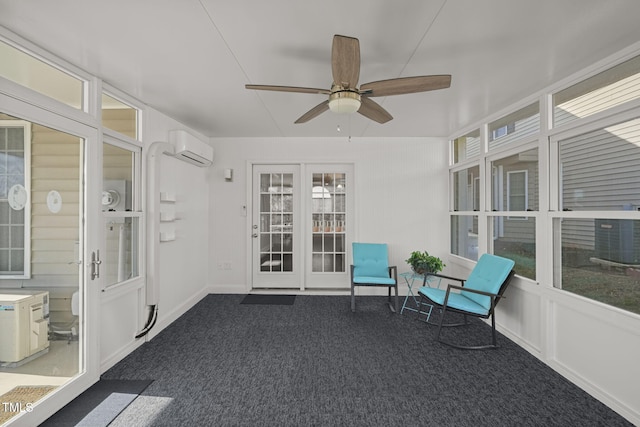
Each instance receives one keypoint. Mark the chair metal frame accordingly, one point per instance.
(443, 308)
(393, 274)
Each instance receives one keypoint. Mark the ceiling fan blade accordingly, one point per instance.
(289, 89)
(405, 85)
(373, 111)
(345, 61)
(314, 112)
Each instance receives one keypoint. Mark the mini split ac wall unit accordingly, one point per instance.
(190, 149)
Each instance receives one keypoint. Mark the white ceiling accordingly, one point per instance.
(190, 59)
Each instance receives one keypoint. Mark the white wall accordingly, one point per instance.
(409, 174)
(182, 262)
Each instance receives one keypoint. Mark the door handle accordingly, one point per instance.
(95, 265)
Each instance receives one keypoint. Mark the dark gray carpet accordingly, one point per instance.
(269, 299)
(99, 405)
(317, 364)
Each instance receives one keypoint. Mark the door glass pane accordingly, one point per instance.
(41, 321)
(276, 222)
(121, 218)
(120, 263)
(118, 172)
(328, 222)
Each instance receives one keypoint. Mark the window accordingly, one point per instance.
(465, 198)
(599, 169)
(476, 194)
(15, 136)
(596, 230)
(464, 236)
(514, 126)
(605, 90)
(503, 131)
(121, 213)
(597, 259)
(517, 198)
(515, 182)
(30, 72)
(466, 147)
(515, 189)
(120, 117)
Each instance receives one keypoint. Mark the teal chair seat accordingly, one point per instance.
(476, 296)
(455, 301)
(371, 268)
(373, 280)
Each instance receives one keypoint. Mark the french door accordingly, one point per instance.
(276, 227)
(53, 202)
(300, 226)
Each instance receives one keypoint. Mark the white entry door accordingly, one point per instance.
(276, 238)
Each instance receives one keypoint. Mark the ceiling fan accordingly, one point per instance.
(346, 97)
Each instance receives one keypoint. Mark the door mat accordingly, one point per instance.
(21, 398)
(99, 405)
(269, 299)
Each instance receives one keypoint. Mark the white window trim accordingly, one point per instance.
(27, 208)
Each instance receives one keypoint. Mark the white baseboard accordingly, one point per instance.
(360, 290)
(118, 355)
(227, 289)
(167, 318)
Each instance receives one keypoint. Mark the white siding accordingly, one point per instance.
(55, 165)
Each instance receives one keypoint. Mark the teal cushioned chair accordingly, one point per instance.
(477, 296)
(371, 268)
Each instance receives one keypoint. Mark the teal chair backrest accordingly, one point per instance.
(370, 260)
(488, 275)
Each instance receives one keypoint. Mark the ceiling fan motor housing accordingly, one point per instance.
(344, 100)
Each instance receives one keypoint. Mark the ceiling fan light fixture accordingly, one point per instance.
(344, 102)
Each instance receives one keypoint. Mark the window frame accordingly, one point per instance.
(136, 210)
(525, 195)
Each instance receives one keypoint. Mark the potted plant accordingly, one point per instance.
(422, 262)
